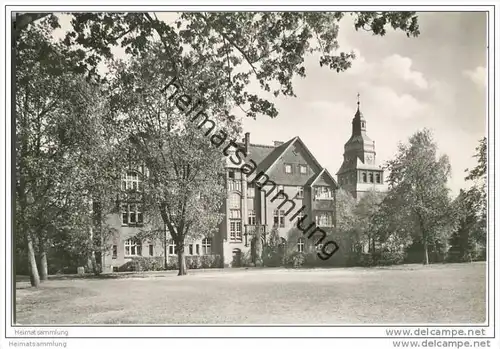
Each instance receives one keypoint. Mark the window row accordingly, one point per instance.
(295, 168)
(133, 248)
(370, 177)
(236, 186)
(193, 249)
(301, 244)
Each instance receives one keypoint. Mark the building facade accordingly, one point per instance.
(287, 185)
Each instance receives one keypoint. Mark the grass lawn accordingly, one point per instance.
(448, 293)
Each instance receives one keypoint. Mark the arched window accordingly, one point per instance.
(301, 243)
(371, 177)
(364, 177)
(377, 177)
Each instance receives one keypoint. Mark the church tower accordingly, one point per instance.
(359, 172)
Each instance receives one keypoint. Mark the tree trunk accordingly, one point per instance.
(44, 270)
(93, 261)
(426, 252)
(182, 261)
(34, 276)
(165, 255)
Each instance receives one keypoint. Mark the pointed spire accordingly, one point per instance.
(358, 112)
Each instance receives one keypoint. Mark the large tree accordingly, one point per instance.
(185, 181)
(241, 47)
(418, 186)
(477, 195)
(59, 148)
(365, 211)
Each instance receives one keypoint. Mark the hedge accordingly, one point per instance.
(158, 263)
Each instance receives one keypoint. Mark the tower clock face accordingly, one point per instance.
(369, 158)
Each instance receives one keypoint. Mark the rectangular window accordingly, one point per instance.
(231, 174)
(115, 252)
(132, 214)
(197, 249)
(132, 247)
(206, 245)
(280, 191)
(300, 192)
(235, 230)
(301, 244)
(251, 217)
(172, 249)
(130, 181)
(279, 218)
(324, 219)
(234, 185)
(190, 249)
(303, 169)
(299, 216)
(282, 218)
(235, 201)
(251, 190)
(151, 250)
(324, 193)
(124, 214)
(288, 168)
(235, 214)
(377, 177)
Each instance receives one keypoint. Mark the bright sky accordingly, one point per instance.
(437, 81)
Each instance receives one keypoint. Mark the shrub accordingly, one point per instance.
(246, 259)
(379, 258)
(312, 260)
(158, 263)
(272, 256)
(144, 264)
(193, 262)
(295, 260)
(389, 257)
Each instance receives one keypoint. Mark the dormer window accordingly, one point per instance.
(303, 169)
(288, 168)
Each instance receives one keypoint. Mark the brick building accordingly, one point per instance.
(295, 186)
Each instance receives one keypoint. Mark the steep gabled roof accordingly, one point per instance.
(273, 158)
(324, 171)
(259, 152)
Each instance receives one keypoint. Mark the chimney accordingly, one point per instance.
(278, 143)
(247, 142)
